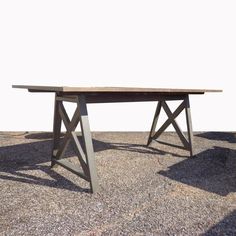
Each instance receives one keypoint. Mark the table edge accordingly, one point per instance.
(66, 89)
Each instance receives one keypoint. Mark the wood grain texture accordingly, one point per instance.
(65, 89)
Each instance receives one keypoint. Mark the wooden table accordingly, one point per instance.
(84, 95)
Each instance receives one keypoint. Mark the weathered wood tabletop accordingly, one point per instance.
(117, 94)
(67, 89)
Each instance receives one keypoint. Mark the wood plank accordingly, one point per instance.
(66, 89)
(40, 88)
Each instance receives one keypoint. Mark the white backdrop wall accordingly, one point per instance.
(177, 44)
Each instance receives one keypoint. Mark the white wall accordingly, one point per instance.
(178, 44)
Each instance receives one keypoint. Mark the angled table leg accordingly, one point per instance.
(154, 123)
(189, 125)
(185, 105)
(86, 134)
(87, 167)
(56, 130)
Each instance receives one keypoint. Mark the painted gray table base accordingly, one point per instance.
(185, 105)
(87, 171)
(87, 168)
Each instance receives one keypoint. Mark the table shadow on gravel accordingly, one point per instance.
(227, 226)
(213, 170)
(16, 161)
(99, 145)
(229, 137)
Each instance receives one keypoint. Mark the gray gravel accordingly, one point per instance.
(144, 191)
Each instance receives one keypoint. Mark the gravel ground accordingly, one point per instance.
(144, 191)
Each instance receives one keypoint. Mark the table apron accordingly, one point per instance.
(127, 97)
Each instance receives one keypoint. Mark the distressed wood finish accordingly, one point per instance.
(66, 89)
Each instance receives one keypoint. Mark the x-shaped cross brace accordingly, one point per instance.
(154, 135)
(87, 169)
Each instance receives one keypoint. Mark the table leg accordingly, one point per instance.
(56, 131)
(86, 134)
(189, 125)
(87, 167)
(154, 123)
(154, 135)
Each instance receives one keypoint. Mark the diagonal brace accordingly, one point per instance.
(185, 105)
(175, 124)
(85, 157)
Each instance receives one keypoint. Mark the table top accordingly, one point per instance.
(67, 89)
